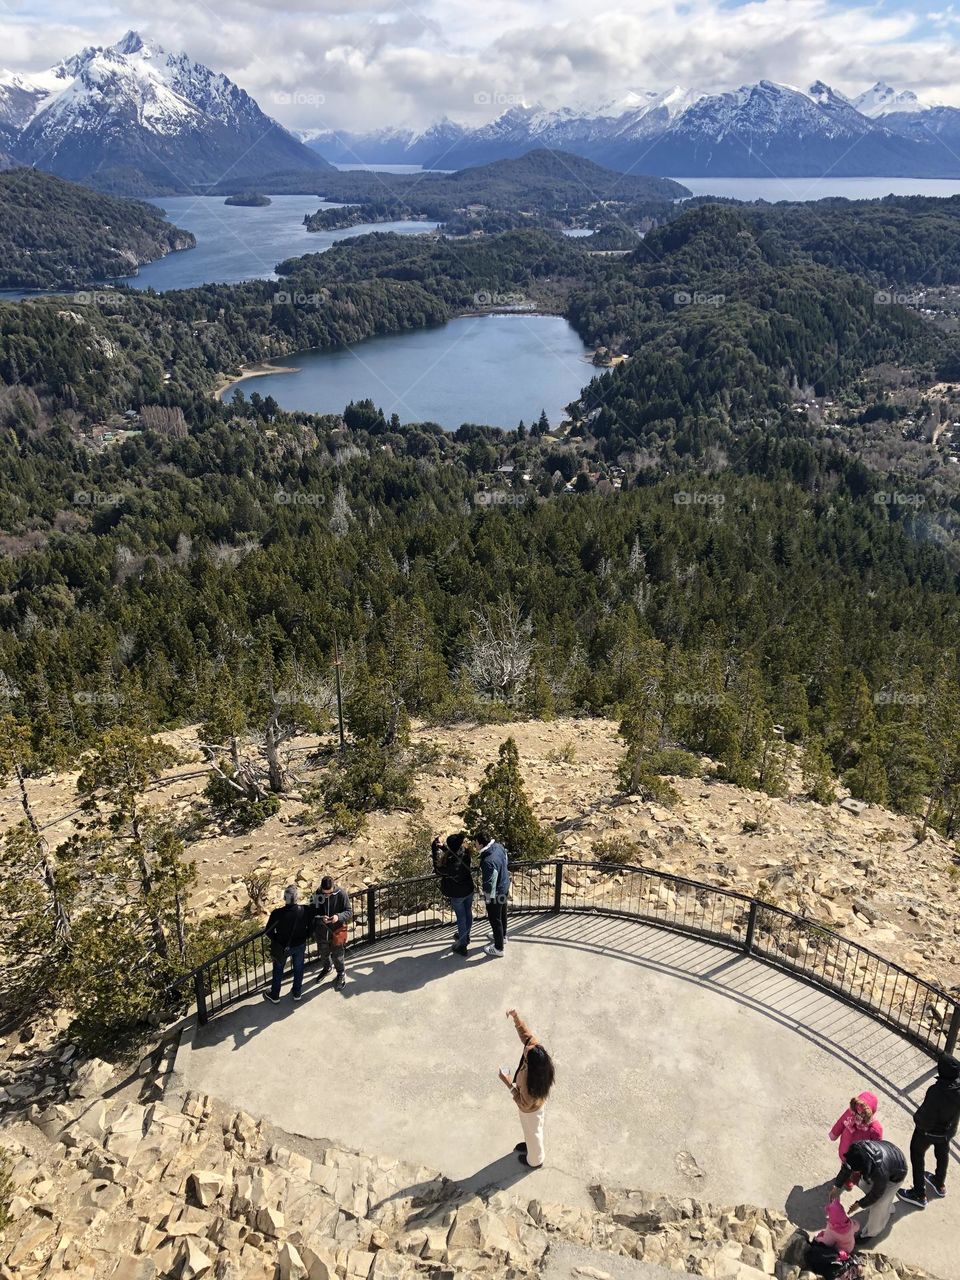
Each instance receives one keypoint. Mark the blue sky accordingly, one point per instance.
(365, 63)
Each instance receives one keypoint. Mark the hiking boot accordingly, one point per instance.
(341, 982)
(272, 999)
(938, 1190)
(458, 951)
(491, 950)
(910, 1197)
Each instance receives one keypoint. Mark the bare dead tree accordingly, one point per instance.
(501, 650)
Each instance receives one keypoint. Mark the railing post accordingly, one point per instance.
(953, 1034)
(371, 913)
(200, 995)
(557, 886)
(751, 926)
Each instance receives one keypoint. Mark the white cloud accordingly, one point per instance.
(376, 62)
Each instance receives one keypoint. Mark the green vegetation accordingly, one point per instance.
(249, 200)
(501, 805)
(55, 234)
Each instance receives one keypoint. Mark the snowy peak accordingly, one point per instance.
(133, 115)
(882, 100)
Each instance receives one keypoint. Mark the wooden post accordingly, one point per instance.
(336, 668)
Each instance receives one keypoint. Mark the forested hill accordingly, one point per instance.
(56, 234)
(540, 184)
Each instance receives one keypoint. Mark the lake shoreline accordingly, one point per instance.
(248, 371)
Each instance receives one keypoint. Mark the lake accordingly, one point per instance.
(492, 369)
(235, 243)
(774, 189)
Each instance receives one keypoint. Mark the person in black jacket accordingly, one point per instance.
(936, 1121)
(333, 911)
(451, 862)
(288, 929)
(882, 1167)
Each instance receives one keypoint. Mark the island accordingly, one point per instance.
(249, 200)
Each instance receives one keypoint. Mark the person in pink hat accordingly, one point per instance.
(857, 1123)
(841, 1230)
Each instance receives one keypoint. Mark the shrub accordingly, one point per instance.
(241, 810)
(617, 851)
(637, 778)
(368, 777)
(408, 858)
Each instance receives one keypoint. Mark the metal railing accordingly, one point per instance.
(923, 1013)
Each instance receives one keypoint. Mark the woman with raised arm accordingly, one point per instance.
(529, 1087)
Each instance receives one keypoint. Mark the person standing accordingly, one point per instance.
(495, 879)
(288, 929)
(883, 1168)
(936, 1121)
(451, 862)
(333, 914)
(530, 1087)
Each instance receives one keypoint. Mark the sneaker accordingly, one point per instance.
(935, 1187)
(521, 1146)
(300, 997)
(910, 1197)
(323, 973)
(272, 999)
(491, 950)
(340, 983)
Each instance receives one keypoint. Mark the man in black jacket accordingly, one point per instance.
(288, 929)
(883, 1167)
(451, 862)
(936, 1121)
(333, 911)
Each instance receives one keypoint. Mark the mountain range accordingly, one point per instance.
(759, 130)
(134, 119)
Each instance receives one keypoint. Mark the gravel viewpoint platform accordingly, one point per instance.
(681, 1067)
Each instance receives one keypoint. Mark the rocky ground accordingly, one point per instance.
(116, 1184)
(864, 875)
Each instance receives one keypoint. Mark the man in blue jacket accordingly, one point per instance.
(495, 877)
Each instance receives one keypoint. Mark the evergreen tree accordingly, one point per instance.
(501, 805)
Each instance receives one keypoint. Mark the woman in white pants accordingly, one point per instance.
(529, 1088)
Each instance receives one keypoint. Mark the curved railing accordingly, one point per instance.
(918, 1010)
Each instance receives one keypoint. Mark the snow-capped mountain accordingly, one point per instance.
(759, 130)
(134, 118)
(881, 100)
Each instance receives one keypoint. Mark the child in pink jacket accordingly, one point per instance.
(857, 1123)
(841, 1230)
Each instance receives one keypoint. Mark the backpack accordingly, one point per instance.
(825, 1261)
